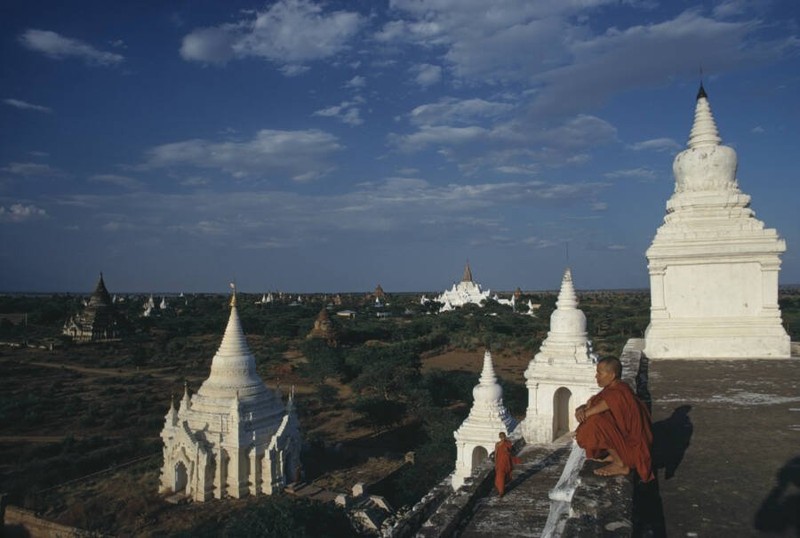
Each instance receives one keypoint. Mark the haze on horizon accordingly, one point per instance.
(332, 146)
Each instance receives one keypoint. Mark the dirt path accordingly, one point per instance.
(108, 372)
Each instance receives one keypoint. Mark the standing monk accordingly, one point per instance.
(503, 463)
(615, 425)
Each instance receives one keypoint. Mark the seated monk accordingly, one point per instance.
(503, 463)
(615, 425)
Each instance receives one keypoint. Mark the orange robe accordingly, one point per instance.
(625, 427)
(503, 464)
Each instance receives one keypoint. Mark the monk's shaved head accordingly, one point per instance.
(611, 364)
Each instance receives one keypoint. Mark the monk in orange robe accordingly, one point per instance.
(504, 462)
(615, 425)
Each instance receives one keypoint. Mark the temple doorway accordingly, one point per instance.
(181, 477)
(478, 455)
(561, 406)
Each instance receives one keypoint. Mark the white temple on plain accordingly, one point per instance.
(562, 375)
(713, 266)
(465, 292)
(477, 435)
(234, 437)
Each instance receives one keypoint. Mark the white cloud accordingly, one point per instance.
(648, 55)
(120, 181)
(59, 47)
(437, 135)
(448, 111)
(356, 82)
(599, 206)
(346, 112)
(300, 155)
(21, 213)
(426, 74)
(758, 130)
(632, 173)
(24, 105)
(288, 33)
(32, 170)
(656, 144)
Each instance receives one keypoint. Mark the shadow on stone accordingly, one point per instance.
(671, 438)
(553, 459)
(648, 510)
(780, 511)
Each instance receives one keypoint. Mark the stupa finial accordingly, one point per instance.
(704, 130)
(233, 295)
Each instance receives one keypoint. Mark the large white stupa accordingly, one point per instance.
(713, 266)
(477, 435)
(561, 375)
(234, 437)
(465, 292)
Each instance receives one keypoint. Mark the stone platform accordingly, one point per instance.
(524, 508)
(724, 433)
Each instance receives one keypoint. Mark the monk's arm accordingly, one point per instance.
(600, 407)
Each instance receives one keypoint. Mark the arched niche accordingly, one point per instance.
(562, 403)
(181, 478)
(479, 454)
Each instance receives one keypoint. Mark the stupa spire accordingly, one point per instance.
(567, 300)
(704, 131)
(467, 273)
(488, 376)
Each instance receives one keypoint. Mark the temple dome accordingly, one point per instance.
(567, 320)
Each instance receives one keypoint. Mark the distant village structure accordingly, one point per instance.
(561, 375)
(713, 266)
(477, 435)
(323, 328)
(234, 437)
(465, 292)
(99, 320)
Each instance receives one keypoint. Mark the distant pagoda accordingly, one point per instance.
(465, 292)
(99, 321)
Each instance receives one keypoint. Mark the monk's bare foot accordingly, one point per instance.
(604, 458)
(612, 470)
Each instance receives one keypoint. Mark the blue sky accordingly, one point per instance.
(324, 146)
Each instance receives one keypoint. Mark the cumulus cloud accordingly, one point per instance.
(31, 170)
(125, 182)
(758, 130)
(449, 111)
(24, 105)
(438, 135)
(288, 33)
(426, 74)
(300, 155)
(632, 173)
(356, 82)
(58, 47)
(21, 213)
(656, 144)
(346, 112)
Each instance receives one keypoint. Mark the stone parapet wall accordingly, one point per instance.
(21, 522)
(604, 506)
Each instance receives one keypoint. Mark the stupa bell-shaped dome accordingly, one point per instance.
(706, 165)
(487, 391)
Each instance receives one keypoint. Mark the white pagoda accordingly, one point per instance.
(465, 292)
(477, 435)
(562, 375)
(234, 437)
(713, 266)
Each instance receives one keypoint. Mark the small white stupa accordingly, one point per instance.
(234, 437)
(713, 266)
(562, 375)
(465, 292)
(477, 435)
